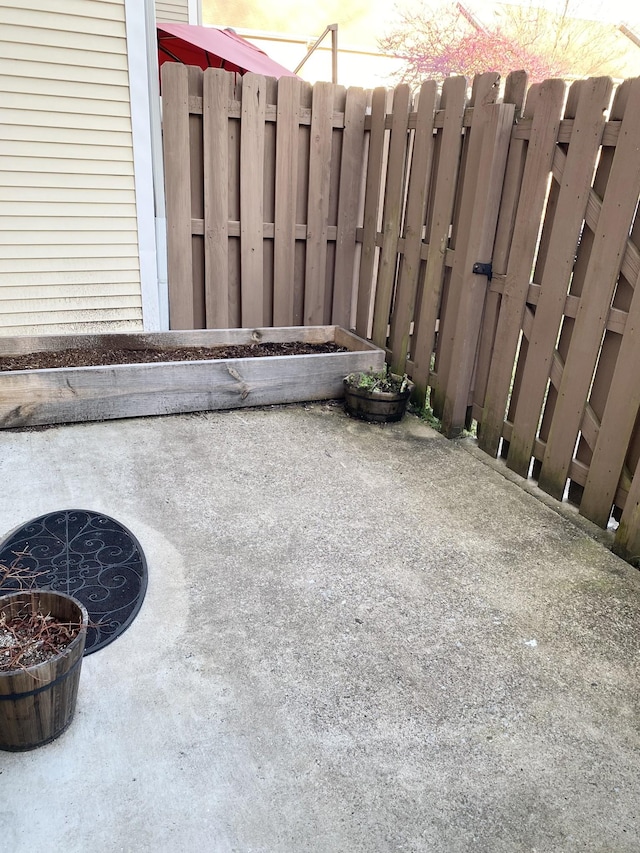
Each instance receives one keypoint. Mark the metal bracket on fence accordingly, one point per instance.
(483, 269)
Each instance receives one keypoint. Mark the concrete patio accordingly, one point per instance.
(355, 639)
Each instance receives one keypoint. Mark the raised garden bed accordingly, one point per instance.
(48, 395)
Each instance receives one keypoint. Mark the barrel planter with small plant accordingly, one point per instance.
(377, 396)
(42, 639)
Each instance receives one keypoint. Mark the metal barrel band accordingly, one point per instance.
(48, 686)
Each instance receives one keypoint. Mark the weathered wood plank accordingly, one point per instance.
(617, 424)
(235, 313)
(216, 96)
(371, 211)
(618, 208)
(24, 344)
(99, 393)
(627, 539)
(318, 203)
(254, 91)
(302, 203)
(196, 162)
(484, 94)
(421, 162)
(349, 197)
(560, 254)
(269, 203)
(515, 91)
(175, 93)
(559, 162)
(391, 213)
(443, 190)
(472, 288)
(544, 105)
(611, 342)
(285, 202)
(339, 103)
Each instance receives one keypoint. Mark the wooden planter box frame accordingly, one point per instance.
(68, 395)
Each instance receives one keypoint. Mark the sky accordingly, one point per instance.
(361, 23)
(613, 11)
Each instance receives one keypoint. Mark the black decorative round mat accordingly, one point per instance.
(87, 555)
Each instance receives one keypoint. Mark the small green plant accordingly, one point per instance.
(381, 380)
(425, 413)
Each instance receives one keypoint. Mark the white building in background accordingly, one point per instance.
(82, 230)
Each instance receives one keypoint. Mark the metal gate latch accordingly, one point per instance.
(483, 269)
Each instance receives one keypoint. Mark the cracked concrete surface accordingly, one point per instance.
(355, 638)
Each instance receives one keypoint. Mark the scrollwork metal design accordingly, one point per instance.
(85, 554)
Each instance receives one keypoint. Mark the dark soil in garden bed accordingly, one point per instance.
(96, 357)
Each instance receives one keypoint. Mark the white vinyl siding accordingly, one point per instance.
(172, 11)
(69, 257)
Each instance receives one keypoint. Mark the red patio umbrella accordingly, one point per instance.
(208, 47)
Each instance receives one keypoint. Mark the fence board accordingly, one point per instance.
(302, 201)
(215, 116)
(515, 92)
(197, 200)
(175, 93)
(288, 109)
(583, 254)
(337, 133)
(618, 207)
(617, 424)
(443, 188)
(473, 288)
(371, 206)
(571, 204)
(235, 307)
(484, 94)
(421, 161)
(547, 231)
(349, 197)
(318, 203)
(607, 358)
(544, 106)
(269, 203)
(251, 199)
(392, 213)
(627, 539)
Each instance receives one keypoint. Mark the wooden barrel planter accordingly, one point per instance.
(376, 406)
(37, 702)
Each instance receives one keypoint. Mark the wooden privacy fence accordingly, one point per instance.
(256, 239)
(490, 245)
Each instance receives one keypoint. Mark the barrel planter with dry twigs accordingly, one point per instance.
(377, 396)
(37, 701)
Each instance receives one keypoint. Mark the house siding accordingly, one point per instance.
(172, 11)
(69, 259)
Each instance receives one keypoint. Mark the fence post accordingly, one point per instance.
(371, 208)
(254, 96)
(215, 118)
(318, 205)
(483, 96)
(618, 209)
(348, 196)
(479, 247)
(286, 168)
(419, 179)
(440, 211)
(544, 108)
(394, 193)
(176, 152)
(627, 540)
